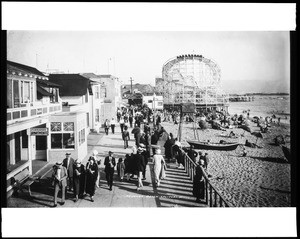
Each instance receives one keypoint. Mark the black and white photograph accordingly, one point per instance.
(138, 119)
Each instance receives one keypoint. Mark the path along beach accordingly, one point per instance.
(260, 179)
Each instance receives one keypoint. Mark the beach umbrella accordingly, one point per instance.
(257, 135)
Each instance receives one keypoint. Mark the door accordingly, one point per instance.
(41, 147)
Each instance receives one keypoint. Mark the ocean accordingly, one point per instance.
(264, 105)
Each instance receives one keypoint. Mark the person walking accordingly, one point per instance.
(140, 167)
(59, 176)
(91, 177)
(122, 122)
(106, 126)
(125, 137)
(121, 169)
(78, 180)
(198, 182)
(154, 140)
(98, 162)
(130, 118)
(206, 160)
(146, 159)
(148, 143)
(68, 163)
(112, 125)
(110, 164)
(158, 160)
(168, 148)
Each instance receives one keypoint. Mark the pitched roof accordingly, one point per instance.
(47, 83)
(143, 88)
(90, 75)
(20, 68)
(72, 84)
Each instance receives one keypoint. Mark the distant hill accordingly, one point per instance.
(248, 86)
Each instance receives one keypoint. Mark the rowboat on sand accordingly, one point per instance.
(226, 146)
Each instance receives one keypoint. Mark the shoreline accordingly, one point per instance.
(260, 179)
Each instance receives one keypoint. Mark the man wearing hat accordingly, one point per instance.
(109, 169)
(59, 176)
(68, 163)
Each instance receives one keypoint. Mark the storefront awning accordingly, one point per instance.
(42, 91)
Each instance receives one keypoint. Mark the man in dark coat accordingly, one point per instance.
(199, 183)
(68, 163)
(140, 166)
(110, 163)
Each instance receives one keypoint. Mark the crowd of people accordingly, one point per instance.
(71, 175)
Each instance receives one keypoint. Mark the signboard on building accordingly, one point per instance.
(188, 108)
(39, 131)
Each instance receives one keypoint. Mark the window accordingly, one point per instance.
(97, 93)
(87, 120)
(16, 93)
(103, 92)
(81, 136)
(150, 101)
(86, 97)
(54, 97)
(62, 138)
(62, 141)
(68, 126)
(55, 126)
(25, 92)
(97, 115)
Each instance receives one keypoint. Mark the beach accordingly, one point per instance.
(260, 179)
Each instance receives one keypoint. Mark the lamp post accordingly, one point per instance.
(153, 107)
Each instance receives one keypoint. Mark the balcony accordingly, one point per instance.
(30, 112)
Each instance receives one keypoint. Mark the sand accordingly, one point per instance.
(261, 179)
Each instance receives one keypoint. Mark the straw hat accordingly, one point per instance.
(158, 151)
(95, 152)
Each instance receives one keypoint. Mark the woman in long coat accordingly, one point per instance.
(158, 161)
(91, 177)
(198, 183)
(78, 179)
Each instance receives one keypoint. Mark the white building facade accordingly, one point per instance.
(31, 100)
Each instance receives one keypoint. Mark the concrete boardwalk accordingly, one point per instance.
(174, 191)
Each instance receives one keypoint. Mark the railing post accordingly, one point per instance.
(221, 202)
(206, 191)
(215, 198)
(210, 196)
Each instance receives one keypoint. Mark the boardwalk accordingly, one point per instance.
(174, 191)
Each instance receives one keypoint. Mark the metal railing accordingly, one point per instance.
(213, 197)
(25, 113)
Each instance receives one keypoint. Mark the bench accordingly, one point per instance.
(23, 180)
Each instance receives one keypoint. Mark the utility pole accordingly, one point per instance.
(131, 80)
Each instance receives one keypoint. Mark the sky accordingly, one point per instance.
(250, 61)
